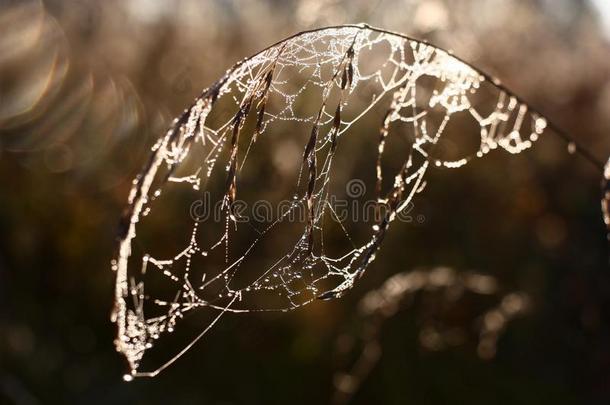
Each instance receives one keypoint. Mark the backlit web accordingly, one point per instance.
(283, 127)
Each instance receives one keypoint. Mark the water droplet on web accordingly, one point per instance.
(127, 377)
(571, 148)
(540, 124)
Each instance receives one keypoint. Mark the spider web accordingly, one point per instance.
(315, 91)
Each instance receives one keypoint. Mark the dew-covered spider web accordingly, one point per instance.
(282, 130)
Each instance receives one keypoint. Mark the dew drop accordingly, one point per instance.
(571, 148)
(127, 377)
(541, 124)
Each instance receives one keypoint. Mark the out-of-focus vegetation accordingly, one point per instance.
(85, 89)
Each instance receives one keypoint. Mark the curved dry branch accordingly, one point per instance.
(397, 294)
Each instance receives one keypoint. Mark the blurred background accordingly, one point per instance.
(87, 86)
